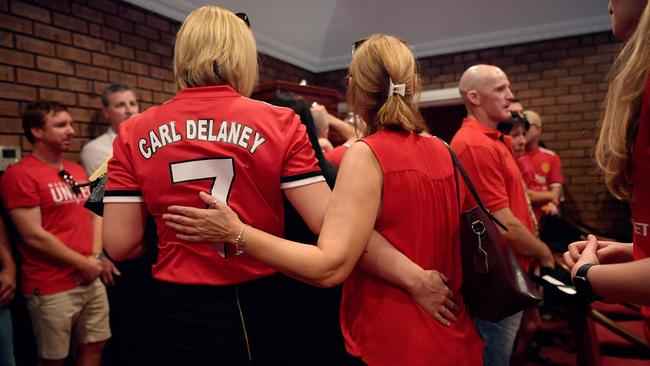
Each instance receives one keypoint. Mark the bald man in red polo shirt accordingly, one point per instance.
(486, 155)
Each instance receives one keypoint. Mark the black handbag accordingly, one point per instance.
(494, 284)
(95, 201)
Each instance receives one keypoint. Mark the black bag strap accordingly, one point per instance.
(468, 182)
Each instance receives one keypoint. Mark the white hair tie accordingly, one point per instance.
(396, 88)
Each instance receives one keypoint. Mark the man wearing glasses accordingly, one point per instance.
(60, 269)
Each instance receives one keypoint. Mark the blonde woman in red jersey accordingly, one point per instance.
(398, 181)
(617, 271)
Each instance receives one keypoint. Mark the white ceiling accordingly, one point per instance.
(317, 35)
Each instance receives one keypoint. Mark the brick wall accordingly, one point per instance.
(70, 50)
(273, 69)
(563, 80)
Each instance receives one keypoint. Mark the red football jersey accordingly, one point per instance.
(527, 172)
(211, 139)
(547, 173)
(31, 183)
(487, 157)
(547, 167)
(640, 203)
(420, 216)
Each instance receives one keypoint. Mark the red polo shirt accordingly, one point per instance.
(486, 155)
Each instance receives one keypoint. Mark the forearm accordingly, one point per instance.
(614, 252)
(48, 244)
(97, 234)
(622, 281)
(307, 263)
(539, 198)
(523, 242)
(556, 192)
(6, 259)
(346, 130)
(385, 261)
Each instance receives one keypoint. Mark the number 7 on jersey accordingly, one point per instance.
(220, 170)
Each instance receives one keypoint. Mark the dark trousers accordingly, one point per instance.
(284, 323)
(131, 315)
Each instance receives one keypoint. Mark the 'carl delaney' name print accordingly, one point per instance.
(232, 132)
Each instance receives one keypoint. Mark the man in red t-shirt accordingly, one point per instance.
(486, 155)
(546, 166)
(60, 269)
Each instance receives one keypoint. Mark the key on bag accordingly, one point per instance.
(480, 256)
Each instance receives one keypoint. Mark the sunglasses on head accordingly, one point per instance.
(244, 17)
(357, 44)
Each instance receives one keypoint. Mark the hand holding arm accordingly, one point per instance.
(346, 228)
(428, 288)
(608, 252)
(218, 225)
(615, 282)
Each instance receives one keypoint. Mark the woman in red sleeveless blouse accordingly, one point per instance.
(398, 181)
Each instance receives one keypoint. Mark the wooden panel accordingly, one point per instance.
(325, 96)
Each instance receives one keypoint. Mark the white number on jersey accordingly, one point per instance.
(220, 170)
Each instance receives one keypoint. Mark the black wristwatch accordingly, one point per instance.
(583, 287)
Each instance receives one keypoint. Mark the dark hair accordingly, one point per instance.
(301, 107)
(295, 227)
(34, 115)
(111, 89)
(515, 121)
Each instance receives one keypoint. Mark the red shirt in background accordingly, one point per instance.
(335, 156)
(488, 159)
(527, 172)
(211, 139)
(31, 183)
(547, 173)
(420, 216)
(546, 166)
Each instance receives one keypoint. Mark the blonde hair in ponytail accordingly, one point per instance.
(622, 109)
(376, 61)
